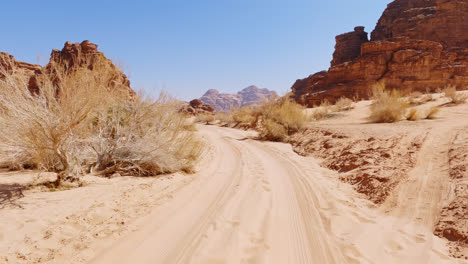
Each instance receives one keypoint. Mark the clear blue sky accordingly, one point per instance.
(187, 47)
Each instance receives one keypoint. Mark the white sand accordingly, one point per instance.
(250, 202)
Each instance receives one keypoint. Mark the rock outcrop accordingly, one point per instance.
(70, 58)
(196, 107)
(224, 102)
(348, 46)
(8, 62)
(406, 55)
(443, 21)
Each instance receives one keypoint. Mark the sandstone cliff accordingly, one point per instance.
(419, 45)
(71, 57)
(248, 96)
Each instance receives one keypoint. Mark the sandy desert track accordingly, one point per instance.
(249, 202)
(259, 202)
(252, 203)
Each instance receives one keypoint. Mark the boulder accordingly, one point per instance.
(196, 107)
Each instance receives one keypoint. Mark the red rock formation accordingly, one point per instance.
(406, 55)
(348, 46)
(85, 54)
(71, 57)
(247, 96)
(196, 107)
(443, 21)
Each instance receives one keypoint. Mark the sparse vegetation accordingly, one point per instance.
(275, 119)
(225, 119)
(387, 106)
(413, 115)
(205, 118)
(245, 116)
(83, 125)
(455, 98)
(322, 111)
(280, 119)
(343, 104)
(432, 112)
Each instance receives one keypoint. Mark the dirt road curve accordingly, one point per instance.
(258, 202)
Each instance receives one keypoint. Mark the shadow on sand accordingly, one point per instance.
(9, 194)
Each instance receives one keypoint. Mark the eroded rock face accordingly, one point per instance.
(86, 54)
(248, 96)
(71, 57)
(407, 52)
(443, 21)
(196, 107)
(348, 46)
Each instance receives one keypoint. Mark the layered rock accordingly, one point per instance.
(443, 21)
(196, 107)
(71, 57)
(348, 46)
(405, 54)
(224, 102)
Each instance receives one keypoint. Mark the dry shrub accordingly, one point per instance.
(387, 107)
(281, 118)
(322, 111)
(426, 98)
(83, 122)
(455, 98)
(413, 115)
(275, 119)
(45, 130)
(343, 104)
(143, 137)
(432, 112)
(224, 118)
(204, 118)
(245, 116)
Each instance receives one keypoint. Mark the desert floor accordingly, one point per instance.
(250, 202)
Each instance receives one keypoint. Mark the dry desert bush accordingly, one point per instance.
(274, 119)
(246, 116)
(387, 106)
(281, 118)
(343, 104)
(225, 119)
(413, 115)
(455, 98)
(82, 125)
(205, 118)
(143, 137)
(321, 112)
(432, 112)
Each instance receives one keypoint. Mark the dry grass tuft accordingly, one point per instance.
(205, 118)
(343, 104)
(321, 112)
(432, 112)
(275, 119)
(144, 137)
(246, 117)
(225, 119)
(455, 98)
(387, 107)
(280, 119)
(413, 115)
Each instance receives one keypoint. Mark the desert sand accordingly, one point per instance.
(248, 202)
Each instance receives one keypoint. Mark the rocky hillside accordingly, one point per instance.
(72, 56)
(418, 45)
(248, 96)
